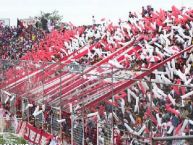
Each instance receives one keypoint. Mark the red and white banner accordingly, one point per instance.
(33, 135)
(45, 138)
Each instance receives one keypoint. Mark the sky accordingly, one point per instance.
(80, 11)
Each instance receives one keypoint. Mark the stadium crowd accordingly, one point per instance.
(157, 35)
(16, 41)
(160, 35)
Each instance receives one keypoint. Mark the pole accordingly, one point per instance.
(43, 98)
(60, 117)
(97, 131)
(151, 131)
(51, 122)
(83, 113)
(113, 99)
(188, 137)
(28, 88)
(72, 120)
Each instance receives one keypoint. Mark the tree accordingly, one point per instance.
(54, 17)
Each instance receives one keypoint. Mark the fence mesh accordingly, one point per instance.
(153, 106)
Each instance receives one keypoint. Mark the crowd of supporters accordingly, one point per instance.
(16, 41)
(157, 35)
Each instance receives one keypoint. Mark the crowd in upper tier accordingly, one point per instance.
(16, 41)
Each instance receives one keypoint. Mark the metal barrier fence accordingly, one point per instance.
(157, 105)
(177, 140)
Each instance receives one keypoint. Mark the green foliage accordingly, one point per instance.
(9, 138)
(53, 16)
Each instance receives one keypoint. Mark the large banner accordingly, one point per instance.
(34, 135)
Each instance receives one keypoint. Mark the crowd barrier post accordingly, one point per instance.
(72, 120)
(171, 138)
(113, 99)
(151, 104)
(43, 71)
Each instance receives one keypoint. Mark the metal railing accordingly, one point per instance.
(82, 93)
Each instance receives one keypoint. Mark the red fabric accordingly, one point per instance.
(175, 11)
(169, 109)
(176, 88)
(141, 87)
(118, 139)
(148, 113)
(36, 136)
(177, 129)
